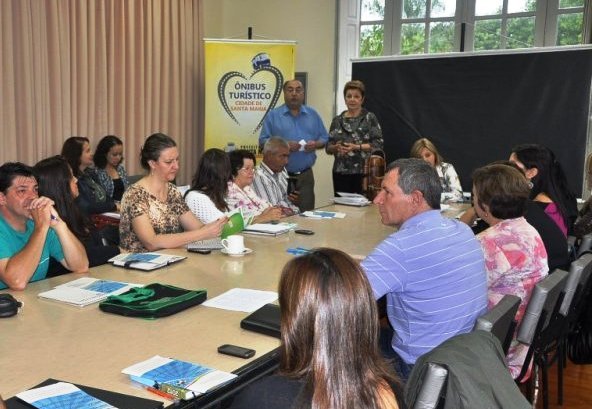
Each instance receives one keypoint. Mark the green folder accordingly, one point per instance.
(235, 224)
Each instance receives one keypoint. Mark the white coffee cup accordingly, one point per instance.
(234, 244)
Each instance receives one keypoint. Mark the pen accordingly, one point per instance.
(160, 393)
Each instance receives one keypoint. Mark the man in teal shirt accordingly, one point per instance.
(31, 231)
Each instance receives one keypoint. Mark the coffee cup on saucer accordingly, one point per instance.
(234, 244)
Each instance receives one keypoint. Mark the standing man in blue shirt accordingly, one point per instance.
(31, 231)
(302, 127)
(432, 270)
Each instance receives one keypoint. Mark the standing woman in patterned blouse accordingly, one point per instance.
(515, 256)
(353, 136)
(108, 160)
(451, 189)
(153, 213)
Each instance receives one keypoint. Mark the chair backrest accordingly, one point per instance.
(579, 271)
(585, 245)
(432, 387)
(541, 304)
(500, 320)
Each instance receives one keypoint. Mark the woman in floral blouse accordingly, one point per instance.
(153, 213)
(515, 256)
(353, 136)
(241, 194)
(451, 189)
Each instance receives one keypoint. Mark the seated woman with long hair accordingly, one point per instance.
(209, 186)
(153, 213)
(329, 356)
(515, 256)
(424, 149)
(549, 184)
(93, 197)
(241, 193)
(56, 181)
(108, 159)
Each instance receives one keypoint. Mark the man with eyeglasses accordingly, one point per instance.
(31, 231)
(302, 127)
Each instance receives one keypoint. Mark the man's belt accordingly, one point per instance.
(298, 173)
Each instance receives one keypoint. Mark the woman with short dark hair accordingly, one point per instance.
(353, 136)
(515, 256)
(241, 193)
(329, 355)
(153, 213)
(108, 160)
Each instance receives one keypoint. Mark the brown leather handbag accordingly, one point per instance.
(374, 169)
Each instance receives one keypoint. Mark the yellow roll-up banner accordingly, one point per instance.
(243, 83)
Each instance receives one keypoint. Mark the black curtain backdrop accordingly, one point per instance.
(475, 108)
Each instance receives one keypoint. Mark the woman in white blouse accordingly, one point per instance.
(451, 189)
(241, 194)
(206, 197)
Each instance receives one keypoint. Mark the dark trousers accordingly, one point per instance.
(347, 183)
(305, 186)
(402, 368)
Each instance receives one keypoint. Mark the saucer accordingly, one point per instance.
(245, 251)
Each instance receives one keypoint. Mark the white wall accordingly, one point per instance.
(311, 23)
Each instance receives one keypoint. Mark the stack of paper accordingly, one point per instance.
(181, 379)
(351, 199)
(86, 290)
(268, 229)
(61, 395)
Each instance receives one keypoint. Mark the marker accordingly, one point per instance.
(160, 393)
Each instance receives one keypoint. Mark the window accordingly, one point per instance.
(434, 26)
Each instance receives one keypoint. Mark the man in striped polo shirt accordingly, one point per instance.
(431, 270)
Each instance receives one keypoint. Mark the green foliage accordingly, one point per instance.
(487, 34)
(371, 40)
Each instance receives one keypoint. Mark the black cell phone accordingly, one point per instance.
(200, 251)
(234, 350)
(304, 231)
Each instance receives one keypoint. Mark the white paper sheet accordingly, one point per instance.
(240, 299)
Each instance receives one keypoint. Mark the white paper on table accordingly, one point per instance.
(241, 299)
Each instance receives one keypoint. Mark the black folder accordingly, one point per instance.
(266, 320)
(119, 400)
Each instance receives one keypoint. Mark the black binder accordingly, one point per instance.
(266, 320)
(119, 400)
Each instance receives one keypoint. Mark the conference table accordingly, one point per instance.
(86, 346)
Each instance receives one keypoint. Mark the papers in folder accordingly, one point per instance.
(61, 395)
(86, 290)
(144, 261)
(351, 199)
(268, 229)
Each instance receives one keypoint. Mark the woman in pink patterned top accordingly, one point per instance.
(241, 194)
(515, 256)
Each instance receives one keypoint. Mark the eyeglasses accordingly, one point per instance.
(248, 170)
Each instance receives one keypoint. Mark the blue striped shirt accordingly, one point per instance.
(433, 273)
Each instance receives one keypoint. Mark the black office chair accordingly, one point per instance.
(501, 320)
(584, 245)
(574, 301)
(431, 393)
(538, 330)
